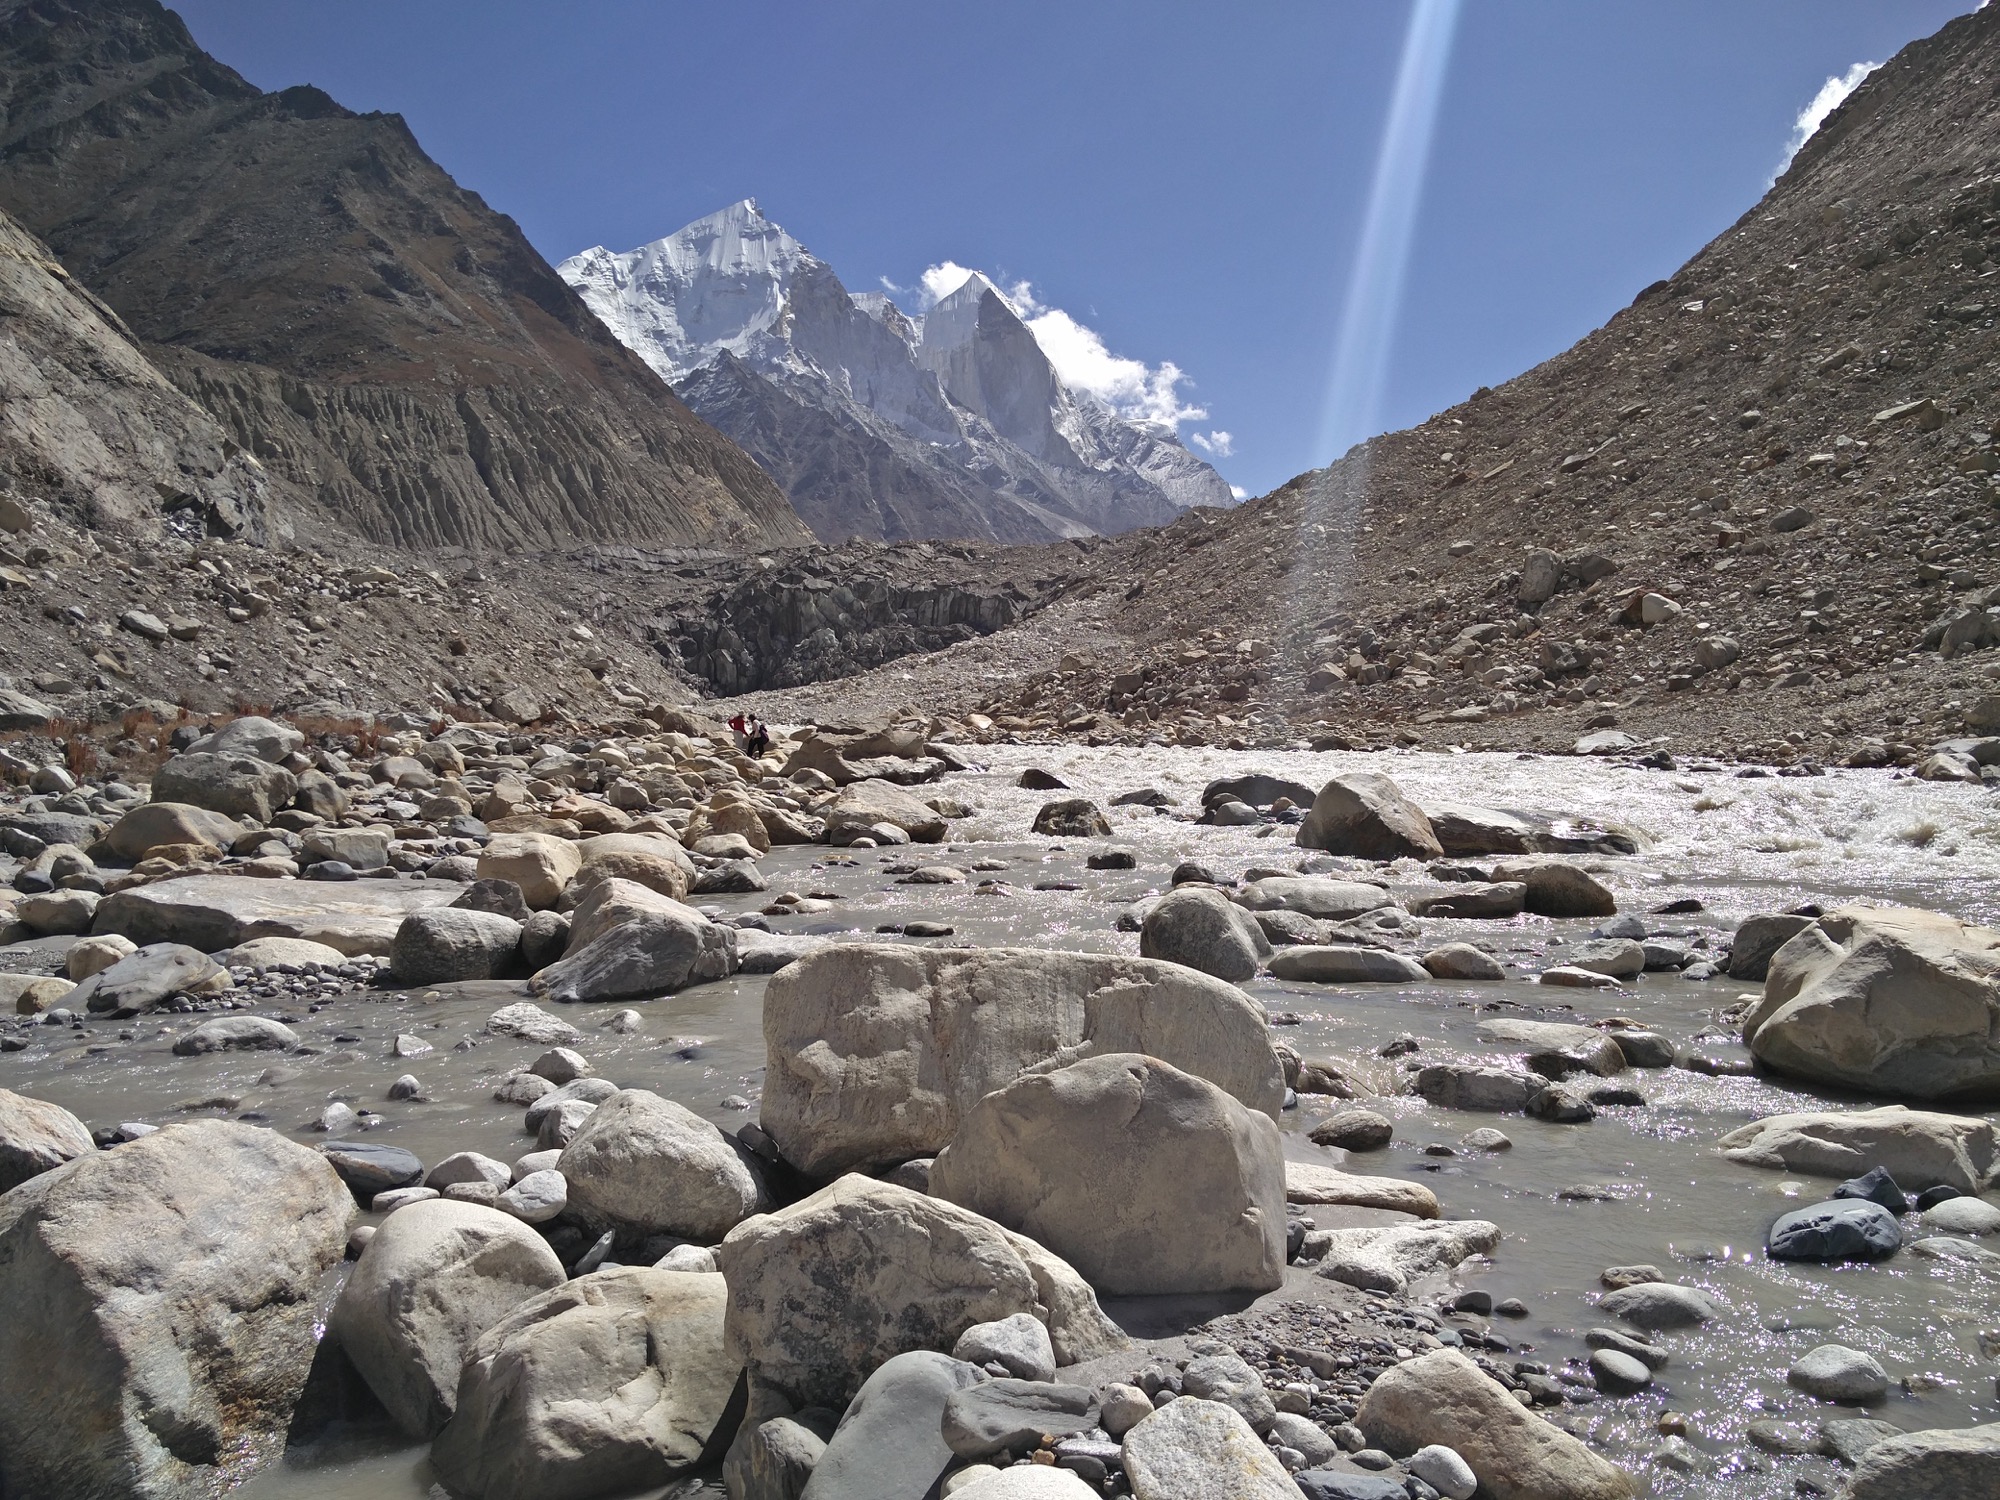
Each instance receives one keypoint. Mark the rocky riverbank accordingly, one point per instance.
(1243, 1201)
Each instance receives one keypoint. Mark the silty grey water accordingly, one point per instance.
(1660, 1193)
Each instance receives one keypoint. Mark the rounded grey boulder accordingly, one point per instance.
(1365, 814)
(444, 944)
(1203, 929)
(142, 980)
(1200, 1204)
(1839, 1229)
(160, 1300)
(1019, 1343)
(434, 1278)
(614, 1382)
(826, 1289)
(236, 1034)
(645, 1165)
(35, 1136)
(1833, 1372)
(1659, 1305)
(242, 786)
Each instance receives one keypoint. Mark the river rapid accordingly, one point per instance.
(1636, 1185)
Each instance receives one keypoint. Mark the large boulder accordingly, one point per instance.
(1918, 1148)
(862, 805)
(320, 795)
(19, 711)
(1466, 831)
(853, 753)
(1201, 928)
(358, 848)
(160, 1300)
(891, 1441)
(147, 978)
(1148, 1180)
(239, 1033)
(443, 944)
(242, 786)
(1443, 1397)
(774, 1459)
(154, 825)
(1554, 888)
(614, 1382)
(1838, 1230)
(1192, 1449)
(1365, 814)
(1072, 818)
(1313, 896)
(251, 735)
(35, 1136)
(435, 1277)
(644, 1165)
(1934, 1464)
(530, 1023)
(649, 859)
(1471, 1086)
(627, 941)
(730, 815)
(539, 863)
(1885, 1000)
(213, 912)
(1660, 1305)
(1257, 789)
(1312, 963)
(1013, 1413)
(876, 1051)
(825, 1290)
(1556, 1047)
(371, 1167)
(1757, 941)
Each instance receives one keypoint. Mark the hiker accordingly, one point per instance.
(757, 739)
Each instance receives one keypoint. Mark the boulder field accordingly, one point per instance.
(936, 1260)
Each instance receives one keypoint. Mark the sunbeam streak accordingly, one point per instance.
(1375, 289)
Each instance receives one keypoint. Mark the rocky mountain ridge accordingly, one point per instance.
(392, 351)
(880, 426)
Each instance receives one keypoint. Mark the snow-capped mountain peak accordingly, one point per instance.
(952, 424)
(720, 283)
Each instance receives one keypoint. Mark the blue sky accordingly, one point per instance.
(1187, 182)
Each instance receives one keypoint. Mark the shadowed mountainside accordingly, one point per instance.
(392, 350)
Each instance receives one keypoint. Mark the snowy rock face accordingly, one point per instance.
(878, 425)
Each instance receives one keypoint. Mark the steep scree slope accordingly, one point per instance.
(1790, 443)
(87, 421)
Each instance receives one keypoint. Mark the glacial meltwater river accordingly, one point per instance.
(1669, 1199)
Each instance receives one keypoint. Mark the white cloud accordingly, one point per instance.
(941, 280)
(1824, 103)
(1238, 492)
(1135, 390)
(1220, 443)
